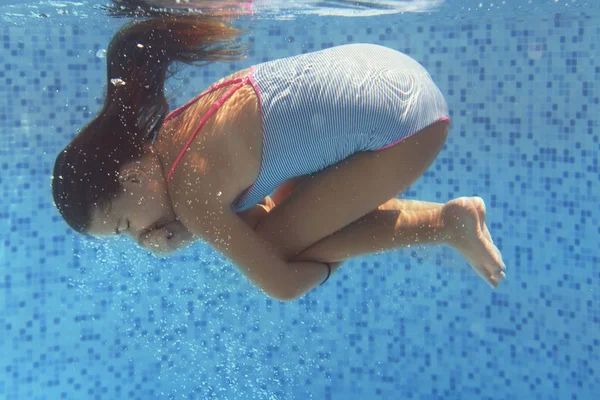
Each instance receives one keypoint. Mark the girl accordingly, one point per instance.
(335, 135)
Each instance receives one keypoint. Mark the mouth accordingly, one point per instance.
(161, 223)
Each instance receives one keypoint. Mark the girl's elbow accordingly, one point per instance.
(281, 293)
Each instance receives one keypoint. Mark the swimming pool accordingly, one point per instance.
(82, 318)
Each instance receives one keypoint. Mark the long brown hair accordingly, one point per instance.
(138, 57)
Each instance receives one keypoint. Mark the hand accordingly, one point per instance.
(254, 215)
(167, 239)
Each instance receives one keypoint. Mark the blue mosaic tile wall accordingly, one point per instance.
(83, 319)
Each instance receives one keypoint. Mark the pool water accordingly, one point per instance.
(102, 319)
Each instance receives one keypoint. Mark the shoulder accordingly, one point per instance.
(224, 155)
(200, 177)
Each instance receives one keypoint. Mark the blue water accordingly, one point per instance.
(92, 319)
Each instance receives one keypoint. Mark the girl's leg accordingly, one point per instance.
(346, 191)
(459, 223)
(409, 205)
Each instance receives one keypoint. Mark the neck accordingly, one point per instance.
(156, 154)
(165, 149)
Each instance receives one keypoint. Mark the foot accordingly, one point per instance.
(464, 219)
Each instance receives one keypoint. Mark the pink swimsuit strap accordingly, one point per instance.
(237, 82)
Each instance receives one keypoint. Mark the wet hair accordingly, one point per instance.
(138, 57)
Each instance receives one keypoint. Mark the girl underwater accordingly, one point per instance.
(288, 168)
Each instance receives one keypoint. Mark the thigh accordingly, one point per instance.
(348, 190)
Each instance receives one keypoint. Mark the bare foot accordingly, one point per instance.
(464, 219)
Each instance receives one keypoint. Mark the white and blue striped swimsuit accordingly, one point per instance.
(320, 108)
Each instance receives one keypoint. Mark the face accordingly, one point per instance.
(142, 210)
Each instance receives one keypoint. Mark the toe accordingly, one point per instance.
(497, 278)
(492, 281)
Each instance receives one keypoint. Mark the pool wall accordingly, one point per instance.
(84, 318)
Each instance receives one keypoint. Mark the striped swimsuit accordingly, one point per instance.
(320, 108)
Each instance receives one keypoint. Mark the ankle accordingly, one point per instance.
(450, 225)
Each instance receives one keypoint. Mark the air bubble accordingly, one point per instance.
(118, 82)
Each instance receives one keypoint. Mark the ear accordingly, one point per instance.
(131, 176)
